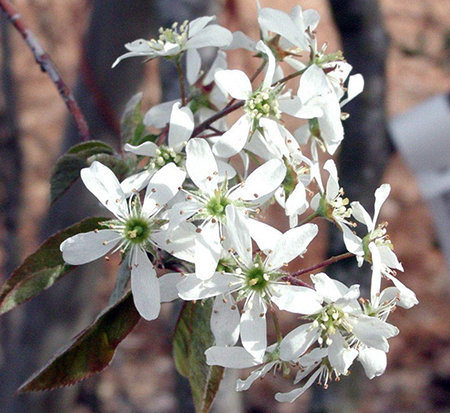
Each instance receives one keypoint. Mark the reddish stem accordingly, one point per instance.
(45, 62)
(322, 264)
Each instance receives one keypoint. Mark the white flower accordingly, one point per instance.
(210, 202)
(257, 281)
(261, 106)
(180, 130)
(176, 40)
(320, 94)
(134, 231)
(377, 249)
(329, 202)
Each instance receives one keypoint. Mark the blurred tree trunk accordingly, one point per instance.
(50, 320)
(364, 154)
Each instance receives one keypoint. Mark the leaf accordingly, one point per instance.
(192, 338)
(88, 353)
(41, 269)
(132, 119)
(117, 165)
(67, 168)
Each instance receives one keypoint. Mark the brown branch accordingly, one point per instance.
(322, 264)
(45, 62)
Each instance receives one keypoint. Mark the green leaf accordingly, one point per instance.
(122, 281)
(42, 268)
(117, 165)
(192, 338)
(67, 168)
(90, 352)
(131, 124)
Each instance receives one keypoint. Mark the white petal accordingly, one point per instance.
(275, 134)
(193, 288)
(294, 107)
(331, 290)
(314, 88)
(281, 23)
(253, 326)
(136, 182)
(298, 341)
(181, 127)
(330, 124)
(333, 181)
(193, 65)
(230, 357)
(297, 203)
(163, 186)
(199, 24)
(381, 195)
(182, 211)
(241, 41)
(376, 272)
(232, 141)
(264, 235)
(374, 361)
(239, 234)
(226, 171)
(235, 82)
(340, 355)
(374, 332)
(291, 244)
(389, 258)
(159, 115)
(219, 63)
(89, 246)
(201, 165)
(271, 64)
(296, 299)
(262, 181)
(145, 286)
(179, 242)
(211, 36)
(355, 87)
(102, 182)
(352, 242)
(407, 297)
(294, 394)
(360, 214)
(168, 286)
(207, 250)
(144, 149)
(242, 385)
(225, 321)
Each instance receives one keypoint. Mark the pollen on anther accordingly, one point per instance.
(96, 231)
(153, 190)
(198, 230)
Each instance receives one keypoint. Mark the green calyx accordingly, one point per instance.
(137, 230)
(290, 180)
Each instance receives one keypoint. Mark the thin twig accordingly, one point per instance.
(181, 80)
(45, 62)
(322, 264)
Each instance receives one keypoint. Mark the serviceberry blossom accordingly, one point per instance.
(209, 202)
(135, 230)
(180, 38)
(376, 248)
(257, 281)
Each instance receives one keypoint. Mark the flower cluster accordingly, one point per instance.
(189, 199)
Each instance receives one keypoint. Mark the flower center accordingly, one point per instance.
(175, 34)
(329, 320)
(380, 237)
(137, 230)
(165, 155)
(216, 205)
(256, 278)
(263, 103)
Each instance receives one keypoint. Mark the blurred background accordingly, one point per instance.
(402, 47)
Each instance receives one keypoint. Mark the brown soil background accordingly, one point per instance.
(418, 374)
